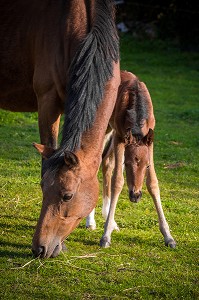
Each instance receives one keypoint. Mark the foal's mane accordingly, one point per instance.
(137, 111)
(91, 68)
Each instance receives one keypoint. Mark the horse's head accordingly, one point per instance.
(66, 201)
(137, 160)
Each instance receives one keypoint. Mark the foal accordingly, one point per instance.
(130, 144)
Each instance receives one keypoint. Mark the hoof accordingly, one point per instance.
(91, 227)
(170, 243)
(116, 228)
(104, 243)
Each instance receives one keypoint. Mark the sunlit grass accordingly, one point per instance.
(137, 265)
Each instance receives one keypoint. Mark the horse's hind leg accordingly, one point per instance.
(153, 188)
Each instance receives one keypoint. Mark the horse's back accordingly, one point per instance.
(35, 50)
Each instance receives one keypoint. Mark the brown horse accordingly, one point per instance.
(130, 144)
(62, 56)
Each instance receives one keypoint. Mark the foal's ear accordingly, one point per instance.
(148, 139)
(44, 150)
(71, 160)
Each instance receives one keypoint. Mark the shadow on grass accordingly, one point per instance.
(20, 218)
(16, 227)
(136, 240)
(84, 240)
(16, 250)
(132, 240)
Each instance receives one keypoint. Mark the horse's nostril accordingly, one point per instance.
(139, 195)
(39, 251)
(135, 197)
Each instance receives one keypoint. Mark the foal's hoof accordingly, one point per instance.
(104, 242)
(115, 227)
(170, 243)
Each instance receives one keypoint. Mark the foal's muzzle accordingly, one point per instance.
(135, 197)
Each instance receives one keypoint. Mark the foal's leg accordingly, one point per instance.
(153, 188)
(90, 220)
(116, 187)
(107, 170)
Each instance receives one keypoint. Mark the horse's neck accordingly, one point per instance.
(92, 140)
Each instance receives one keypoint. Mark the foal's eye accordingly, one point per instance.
(148, 167)
(67, 197)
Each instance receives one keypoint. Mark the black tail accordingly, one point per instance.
(109, 146)
(91, 68)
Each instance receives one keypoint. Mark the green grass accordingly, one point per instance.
(137, 265)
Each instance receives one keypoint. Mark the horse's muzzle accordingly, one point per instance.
(39, 252)
(135, 197)
(46, 252)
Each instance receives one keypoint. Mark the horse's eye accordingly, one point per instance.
(148, 167)
(67, 197)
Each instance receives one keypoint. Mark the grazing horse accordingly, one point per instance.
(62, 57)
(130, 144)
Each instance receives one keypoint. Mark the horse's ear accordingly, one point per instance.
(71, 160)
(148, 139)
(44, 150)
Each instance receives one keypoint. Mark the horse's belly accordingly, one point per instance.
(19, 101)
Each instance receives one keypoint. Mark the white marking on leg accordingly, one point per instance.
(163, 225)
(153, 188)
(90, 220)
(106, 207)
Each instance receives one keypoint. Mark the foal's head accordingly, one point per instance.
(137, 121)
(66, 200)
(137, 160)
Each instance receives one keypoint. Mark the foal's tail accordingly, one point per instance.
(91, 68)
(108, 147)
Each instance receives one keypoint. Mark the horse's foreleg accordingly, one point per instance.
(117, 183)
(49, 112)
(153, 188)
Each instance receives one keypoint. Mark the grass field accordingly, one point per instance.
(137, 265)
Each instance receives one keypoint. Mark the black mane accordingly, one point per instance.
(138, 109)
(91, 68)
